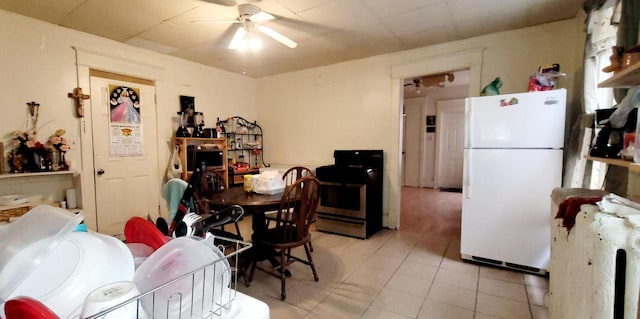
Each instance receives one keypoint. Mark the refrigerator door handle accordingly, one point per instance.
(467, 174)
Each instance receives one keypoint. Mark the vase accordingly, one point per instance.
(55, 160)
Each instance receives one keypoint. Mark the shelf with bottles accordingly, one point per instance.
(244, 142)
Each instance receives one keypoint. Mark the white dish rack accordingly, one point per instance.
(211, 301)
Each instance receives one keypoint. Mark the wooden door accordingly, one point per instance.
(127, 182)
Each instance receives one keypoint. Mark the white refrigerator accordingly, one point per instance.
(513, 152)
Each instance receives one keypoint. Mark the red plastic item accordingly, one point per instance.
(140, 230)
(27, 308)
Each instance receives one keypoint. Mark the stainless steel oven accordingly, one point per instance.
(343, 209)
(351, 194)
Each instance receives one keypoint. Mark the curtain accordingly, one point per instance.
(600, 29)
(609, 23)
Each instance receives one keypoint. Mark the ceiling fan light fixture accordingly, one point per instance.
(253, 43)
(238, 39)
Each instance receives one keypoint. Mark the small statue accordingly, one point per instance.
(493, 88)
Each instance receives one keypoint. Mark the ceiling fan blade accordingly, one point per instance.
(261, 17)
(215, 21)
(227, 3)
(236, 41)
(277, 36)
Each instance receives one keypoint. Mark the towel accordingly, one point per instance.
(172, 192)
(570, 207)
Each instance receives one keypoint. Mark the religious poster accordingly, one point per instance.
(125, 122)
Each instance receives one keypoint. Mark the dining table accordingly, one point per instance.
(254, 204)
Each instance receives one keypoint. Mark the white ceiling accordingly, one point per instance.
(327, 31)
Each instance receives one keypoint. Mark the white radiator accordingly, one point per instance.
(595, 268)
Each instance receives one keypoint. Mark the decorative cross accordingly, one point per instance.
(34, 109)
(79, 97)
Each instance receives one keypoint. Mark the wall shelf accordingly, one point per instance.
(626, 78)
(36, 174)
(633, 180)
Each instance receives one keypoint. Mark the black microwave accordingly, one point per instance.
(213, 158)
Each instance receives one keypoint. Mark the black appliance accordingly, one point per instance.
(609, 141)
(351, 193)
(210, 154)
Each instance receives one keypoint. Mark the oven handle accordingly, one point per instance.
(339, 220)
(341, 184)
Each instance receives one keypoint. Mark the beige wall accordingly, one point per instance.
(355, 105)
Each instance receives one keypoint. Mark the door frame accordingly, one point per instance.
(439, 142)
(467, 59)
(118, 63)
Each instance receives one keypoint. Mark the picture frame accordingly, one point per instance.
(188, 105)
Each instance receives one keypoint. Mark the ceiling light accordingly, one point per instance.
(244, 40)
(238, 39)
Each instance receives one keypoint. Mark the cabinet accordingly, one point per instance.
(244, 147)
(212, 151)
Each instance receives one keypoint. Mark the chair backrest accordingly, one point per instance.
(294, 173)
(298, 208)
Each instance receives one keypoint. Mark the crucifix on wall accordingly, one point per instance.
(79, 97)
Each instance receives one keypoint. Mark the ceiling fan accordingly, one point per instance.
(251, 18)
(431, 80)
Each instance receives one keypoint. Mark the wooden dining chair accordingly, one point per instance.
(289, 177)
(293, 218)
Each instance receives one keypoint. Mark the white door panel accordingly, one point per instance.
(523, 120)
(506, 204)
(414, 109)
(129, 186)
(450, 142)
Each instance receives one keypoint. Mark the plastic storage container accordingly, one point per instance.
(28, 241)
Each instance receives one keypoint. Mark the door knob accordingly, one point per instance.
(100, 171)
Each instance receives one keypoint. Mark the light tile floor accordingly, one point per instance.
(415, 272)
